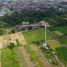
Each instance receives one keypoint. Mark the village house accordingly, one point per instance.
(31, 26)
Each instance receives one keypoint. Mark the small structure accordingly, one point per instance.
(26, 25)
(45, 45)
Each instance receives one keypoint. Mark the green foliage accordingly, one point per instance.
(62, 53)
(12, 31)
(9, 58)
(17, 41)
(53, 16)
(12, 58)
(1, 31)
(11, 45)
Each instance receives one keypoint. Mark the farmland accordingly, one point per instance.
(30, 46)
(33, 34)
(61, 51)
(15, 57)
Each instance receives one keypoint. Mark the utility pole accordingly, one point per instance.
(45, 32)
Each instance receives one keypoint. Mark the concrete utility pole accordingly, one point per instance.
(45, 45)
(45, 33)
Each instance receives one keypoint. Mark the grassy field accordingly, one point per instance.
(36, 35)
(33, 56)
(31, 37)
(60, 28)
(63, 40)
(12, 58)
(62, 54)
(53, 44)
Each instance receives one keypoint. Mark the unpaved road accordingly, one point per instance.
(40, 55)
(26, 57)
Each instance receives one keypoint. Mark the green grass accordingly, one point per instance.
(11, 58)
(62, 54)
(36, 35)
(60, 28)
(33, 56)
(63, 40)
(63, 30)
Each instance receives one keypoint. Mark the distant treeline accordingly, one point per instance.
(53, 16)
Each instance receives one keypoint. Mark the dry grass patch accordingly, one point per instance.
(58, 33)
(53, 43)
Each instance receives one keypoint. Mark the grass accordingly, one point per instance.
(11, 58)
(36, 35)
(63, 30)
(33, 56)
(50, 56)
(60, 28)
(63, 39)
(39, 34)
(53, 44)
(62, 54)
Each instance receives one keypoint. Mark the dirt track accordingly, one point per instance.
(40, 55)
(26, 57)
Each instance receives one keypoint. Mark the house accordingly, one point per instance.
(31, 26)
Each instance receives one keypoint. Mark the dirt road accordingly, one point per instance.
(40, 55)
(26, 57)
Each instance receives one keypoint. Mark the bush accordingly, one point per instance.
(11, 45)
